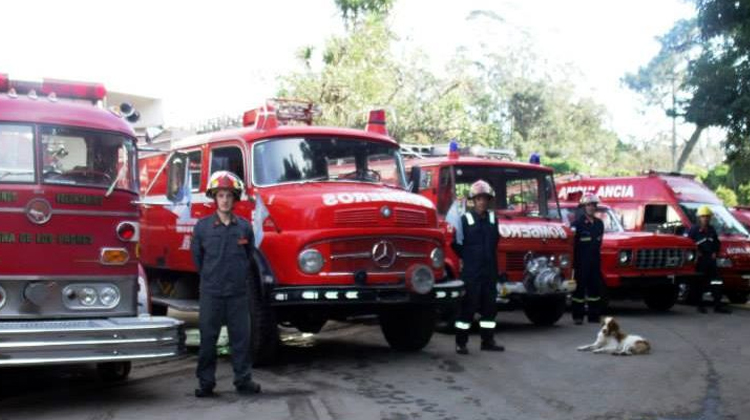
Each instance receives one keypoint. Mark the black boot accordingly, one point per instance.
(461, 349)
(249, 388)
(491, 346)
(721, 309)
(204, 393)
(702, 309)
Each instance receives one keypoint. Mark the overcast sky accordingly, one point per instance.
(207, 59)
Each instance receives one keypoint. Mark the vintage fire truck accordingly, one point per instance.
(338, 234)
(69, 274)
(531, 231)
(667, 203)
(639, 265)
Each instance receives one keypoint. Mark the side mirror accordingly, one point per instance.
(152, 133)
(414, 177)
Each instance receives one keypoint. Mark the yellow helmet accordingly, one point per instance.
(705, 211)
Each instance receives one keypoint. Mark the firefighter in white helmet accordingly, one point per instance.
(222, 248)
(478, 252)
(589, 232)
(707, 240)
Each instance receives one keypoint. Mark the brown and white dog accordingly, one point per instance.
(613, 341)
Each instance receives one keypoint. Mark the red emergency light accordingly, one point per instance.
(280, 111)
(61, 88)
(376, 122)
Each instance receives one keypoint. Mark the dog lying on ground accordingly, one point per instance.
(612, 340)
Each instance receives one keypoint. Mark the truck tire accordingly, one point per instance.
(113, 371)
(739, 298)
(408, 328)
(544, 310)
(264, 330)
(661, 298)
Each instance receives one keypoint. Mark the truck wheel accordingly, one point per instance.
(113, 371)
(661, 298)
(739, 298)
(544, 310)
(408, 328)
(264, 331)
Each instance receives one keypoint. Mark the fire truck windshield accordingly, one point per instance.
(606, 215)
(290, 160)
(722, 220)
(87, 158)
(518, 192)
(17, 157)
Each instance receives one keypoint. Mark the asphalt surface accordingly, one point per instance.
(698, 369)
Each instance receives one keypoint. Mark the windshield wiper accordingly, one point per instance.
(5, 173)
(119, 177)
(316, 179)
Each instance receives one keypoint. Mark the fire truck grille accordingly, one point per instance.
(355, 217)
(371, 216)
(659, 258)
(356, 254)
(409, 217)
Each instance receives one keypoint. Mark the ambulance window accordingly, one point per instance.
(176, 190)
(228, 159)
(17, 158)
(629, 218)
(196, 165)
(660, 218)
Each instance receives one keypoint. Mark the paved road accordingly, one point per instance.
(698, 370)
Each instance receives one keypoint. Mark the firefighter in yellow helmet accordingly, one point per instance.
(478, 253)
(708, 244)
(222, 248)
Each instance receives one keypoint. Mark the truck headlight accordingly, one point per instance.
(690, 256)
(564, 260)
(310, 261)
(109, 296)
(624, 257)
(723, 262)
(421, 279)
(437, 256)
(87, 296)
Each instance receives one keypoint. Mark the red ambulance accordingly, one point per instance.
(667, 203)
(528, 222)
(337, 230)
(639, 265)
(69, 273)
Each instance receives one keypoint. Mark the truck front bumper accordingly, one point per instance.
(442, 293)
(509, 289)
(89, 341)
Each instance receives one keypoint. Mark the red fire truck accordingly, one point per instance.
(528, 221)
(667, 203)
(337, 232)
(639, 265)
(742, 214)
(69, 230)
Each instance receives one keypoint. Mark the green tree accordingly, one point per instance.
(727, 196)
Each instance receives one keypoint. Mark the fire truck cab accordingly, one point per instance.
(528, 221)
(338, 234)
(667, 203)
(742, 214)
(69, 230)
(639, 265)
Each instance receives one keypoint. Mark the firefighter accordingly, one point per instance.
(222, 247)
(589, 231)
(707, 240)
(478, 253)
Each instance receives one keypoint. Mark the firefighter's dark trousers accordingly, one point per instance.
(481, 296)
(709, 281)
(587, 297)
(234, 312)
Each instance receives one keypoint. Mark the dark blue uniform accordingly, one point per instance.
(222, 256)
(588, 267)
(708, 246)
(479, 256)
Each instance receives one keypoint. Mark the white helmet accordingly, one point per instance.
(481, 187)
(589, 198)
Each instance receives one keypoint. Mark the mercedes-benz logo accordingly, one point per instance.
(39, 211)
(386, 211)
(384, 254)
